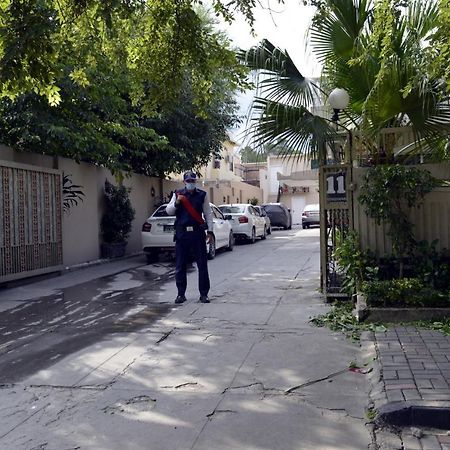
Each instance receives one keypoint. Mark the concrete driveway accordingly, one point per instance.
(246, 371)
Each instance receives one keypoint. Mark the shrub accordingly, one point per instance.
(405, 292)
(119, 214)
(356, 265)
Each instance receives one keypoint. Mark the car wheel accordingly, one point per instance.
(230, 242)
(212, 248)
(253, 237)
(290, 227)
(152, 256)
(304, 227)
(264, 233)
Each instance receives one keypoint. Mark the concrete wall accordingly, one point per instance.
(81, 224)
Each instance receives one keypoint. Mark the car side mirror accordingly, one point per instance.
(228, 217)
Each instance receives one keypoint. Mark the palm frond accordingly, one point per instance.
(295, 130)
(335, 35)
(277, 76)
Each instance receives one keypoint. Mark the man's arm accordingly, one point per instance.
(207, 212)
(171, 207)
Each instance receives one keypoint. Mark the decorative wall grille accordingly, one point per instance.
(30, 220)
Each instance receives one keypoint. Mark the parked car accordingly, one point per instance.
(158, 230)
(310, 215)
(247, 223)
(279, 215)
(262, 213)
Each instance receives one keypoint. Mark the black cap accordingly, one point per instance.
(189, 176)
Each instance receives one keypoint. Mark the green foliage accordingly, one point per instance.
(340, 318)
(253, 201)
(165, 41)
(119, 214)
(388, 192)
(103, 117)
(72, 194)
(356, 265)
(443, 325)
(405, 292)
(432, 266)
(248, 155)
(383, 54)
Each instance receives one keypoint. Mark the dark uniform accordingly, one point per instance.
(190, 239)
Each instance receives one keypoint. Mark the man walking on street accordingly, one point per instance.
(193, 216)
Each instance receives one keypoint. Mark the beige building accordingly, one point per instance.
(222, 178)
(292, 182)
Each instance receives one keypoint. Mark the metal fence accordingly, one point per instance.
(336, 219)
(30, 220)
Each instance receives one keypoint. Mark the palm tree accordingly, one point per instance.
(380, 54)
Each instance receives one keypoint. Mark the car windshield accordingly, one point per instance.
(312, 208)
(232, 209)
(161, 212)
(272, 207)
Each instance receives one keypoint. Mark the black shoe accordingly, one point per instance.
(180, 299)
(204, 299)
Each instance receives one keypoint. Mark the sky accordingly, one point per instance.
(283, 25)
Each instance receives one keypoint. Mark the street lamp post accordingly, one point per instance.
(338, 100)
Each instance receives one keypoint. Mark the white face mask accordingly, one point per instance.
(190, 186)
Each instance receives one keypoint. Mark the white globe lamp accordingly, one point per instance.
(338, 100)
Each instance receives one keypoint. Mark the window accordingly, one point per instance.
(217, 214)
(216, 164)
(160, 212)
(232, 209)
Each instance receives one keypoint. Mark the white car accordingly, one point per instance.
(158, 232)
(262, 213)
(247, 222)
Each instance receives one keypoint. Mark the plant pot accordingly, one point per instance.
(113, 250)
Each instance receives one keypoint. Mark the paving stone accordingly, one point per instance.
(430, 442)
(388, 441)
(411, 442)
(395, 395)
(390, 375)
(402, 374)
(411, 394)
(390, 387)
(438, 384)
(424, 383)
(444, 439)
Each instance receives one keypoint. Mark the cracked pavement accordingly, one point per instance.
(246, 371)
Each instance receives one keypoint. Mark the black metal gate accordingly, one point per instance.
(336, 218)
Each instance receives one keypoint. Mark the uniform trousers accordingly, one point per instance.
(189, 243)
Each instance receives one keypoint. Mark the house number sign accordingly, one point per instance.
(336, 187)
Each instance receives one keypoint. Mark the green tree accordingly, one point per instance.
(379, 52)
(248, 155)
(100, 118)
(165, 40)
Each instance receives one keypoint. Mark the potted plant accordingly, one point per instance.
(116, 221)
